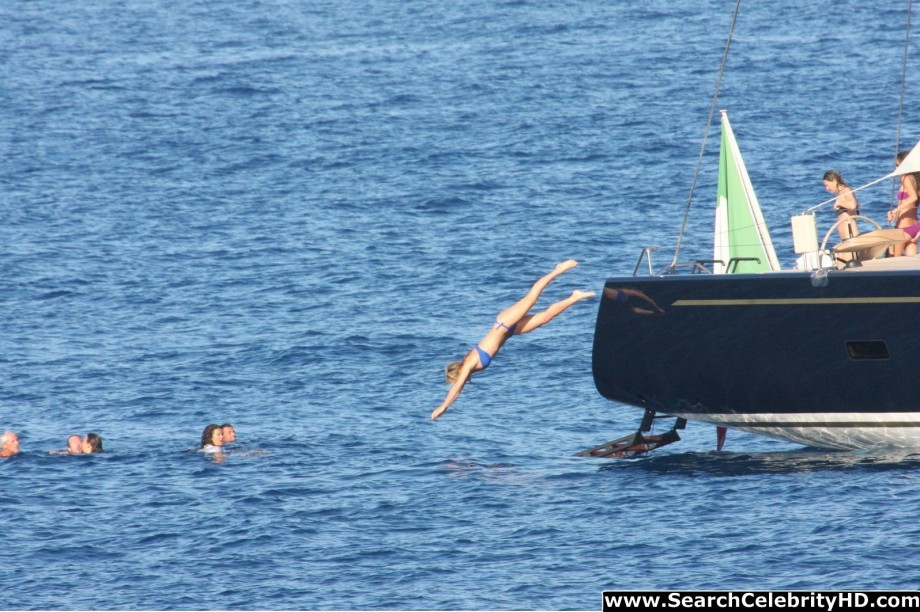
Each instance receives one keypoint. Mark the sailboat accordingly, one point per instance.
(821, 355)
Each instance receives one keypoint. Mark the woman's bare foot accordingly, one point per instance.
(579, 295)
(565, 265)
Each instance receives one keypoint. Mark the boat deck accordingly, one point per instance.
(906, 262)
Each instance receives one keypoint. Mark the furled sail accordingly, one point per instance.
(910, 164)
(740, 230)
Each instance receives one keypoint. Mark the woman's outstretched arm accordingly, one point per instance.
(455, 389)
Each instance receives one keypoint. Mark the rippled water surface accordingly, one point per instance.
(290, 214)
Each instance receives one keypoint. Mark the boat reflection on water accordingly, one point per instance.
(726, 464)
(632, 299)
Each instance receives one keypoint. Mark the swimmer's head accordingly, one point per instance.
(92, 443)
(74, 444)
(229, 433)
(9, 443)
(212, 435)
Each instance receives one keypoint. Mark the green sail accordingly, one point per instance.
(740, 230)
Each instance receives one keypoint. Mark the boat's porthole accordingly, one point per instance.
(867, 349)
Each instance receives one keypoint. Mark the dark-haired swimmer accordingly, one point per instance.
(514, 320)
(92, 443)
(229, 433)
(74, 446)
(212, 438)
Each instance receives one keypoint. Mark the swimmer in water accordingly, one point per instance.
(92, 443)
(9, 444)
(212, 439)
(74, 446)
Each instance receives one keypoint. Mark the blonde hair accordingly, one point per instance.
(452, 371)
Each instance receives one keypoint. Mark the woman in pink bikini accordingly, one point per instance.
(514, 320)
(905, 214)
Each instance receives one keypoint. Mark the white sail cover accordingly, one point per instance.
(910, 164)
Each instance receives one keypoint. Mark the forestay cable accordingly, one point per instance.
(699, 161)
(897, 135)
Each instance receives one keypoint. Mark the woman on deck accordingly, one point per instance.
(904, 216)
(846, 205)
(514, 320)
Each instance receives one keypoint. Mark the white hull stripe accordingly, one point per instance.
(830, 430)
(811, 419)
(819, 423)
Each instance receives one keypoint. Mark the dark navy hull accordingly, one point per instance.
(834, 366)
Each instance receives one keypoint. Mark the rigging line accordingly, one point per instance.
(852, 190)
(897, 135)
(699, 161)
(741, 228)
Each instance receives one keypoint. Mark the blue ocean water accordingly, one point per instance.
(290, 215)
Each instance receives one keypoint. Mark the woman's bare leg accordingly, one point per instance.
(904, 248)
(846, 230)
(540, 319)
(511, 316)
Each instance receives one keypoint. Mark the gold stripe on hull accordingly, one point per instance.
(798, 301)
